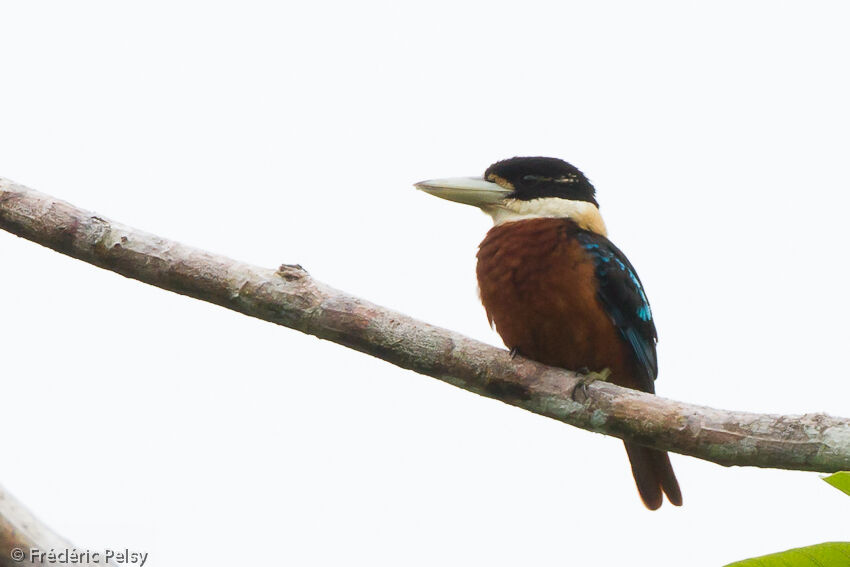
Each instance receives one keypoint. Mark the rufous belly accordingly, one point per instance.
(538, 286)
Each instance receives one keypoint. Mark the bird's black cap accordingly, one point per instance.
(538, 177)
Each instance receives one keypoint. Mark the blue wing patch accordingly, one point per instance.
(621, 294)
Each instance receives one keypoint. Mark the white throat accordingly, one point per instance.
(585, 215)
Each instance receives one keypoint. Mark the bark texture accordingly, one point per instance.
(288, 296)
(21, 532)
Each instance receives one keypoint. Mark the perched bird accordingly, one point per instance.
(558, 291)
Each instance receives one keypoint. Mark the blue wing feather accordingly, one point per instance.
(621, 293)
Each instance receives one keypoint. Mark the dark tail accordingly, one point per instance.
(653, 474)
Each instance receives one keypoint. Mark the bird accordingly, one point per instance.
(559, 292)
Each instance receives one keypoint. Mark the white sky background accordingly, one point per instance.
(716, 135)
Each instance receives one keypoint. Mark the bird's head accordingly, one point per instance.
(522, 188)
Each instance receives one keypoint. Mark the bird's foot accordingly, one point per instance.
(588, 378)
(514, 352)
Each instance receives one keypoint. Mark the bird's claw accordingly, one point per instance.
(587, 379)
(514, 352)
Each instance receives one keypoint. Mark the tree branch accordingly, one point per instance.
(290, 297)
(21, 533)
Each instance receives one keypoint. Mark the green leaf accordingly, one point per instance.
(840, 480)
(833, 554)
